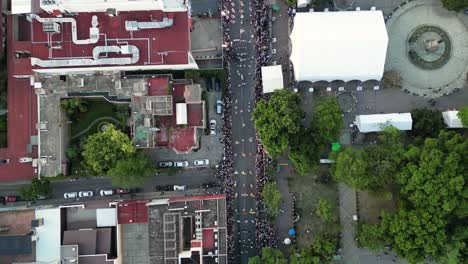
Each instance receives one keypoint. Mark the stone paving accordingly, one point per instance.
(427, 83)
(135, 243)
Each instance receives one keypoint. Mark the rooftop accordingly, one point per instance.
(15, 242)
(136, 40)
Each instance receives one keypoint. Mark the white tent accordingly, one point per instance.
(272, 78)
(21, 7)
(302, 3)
(376, 123)
(347, 45)
(451, 119)
(181, 113)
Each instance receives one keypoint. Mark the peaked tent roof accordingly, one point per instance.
(345, 45)
(376, 123)
(272, 78)
(451, 119)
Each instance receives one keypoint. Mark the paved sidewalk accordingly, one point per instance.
(347, 198)
(284, 221)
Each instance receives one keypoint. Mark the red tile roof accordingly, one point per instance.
(175, 40)
(132, 212)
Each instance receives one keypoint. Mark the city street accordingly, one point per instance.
(243, 133)
(193, 179)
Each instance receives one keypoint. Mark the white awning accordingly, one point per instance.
(106, 217)
(272, 78)
(376, 123)
(48, 236)
(302, 3)
(21, 7)
(181, 114)
(451, 119)
(345, 45)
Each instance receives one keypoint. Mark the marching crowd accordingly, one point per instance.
(265, 233)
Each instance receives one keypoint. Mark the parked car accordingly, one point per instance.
(25, 159)
(203, 162)
(209, 85)
(217, 86)
(4, 161)
(219, 106)
(123, 191)
(181, 164)
(11, 198)
(70, 195)
(86, 194)
(106, 192)
(213, 127)
(179, 187)
(165, 164)
(2, 200)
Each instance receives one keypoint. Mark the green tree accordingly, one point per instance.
(463, 115)
(351, 168)
(131, 172)
(327, 121)
(325, 246)
(325, 210)
(72, 152)
(371, 237)
(73, 106)
(426, 122)
(305, 153)
(272, 256)
(272, 199)
(278, 120)
(255, 260)
(102, 150)
(121, 112)
(455, 5)
(38, 188)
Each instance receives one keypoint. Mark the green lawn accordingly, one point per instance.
(308, 189)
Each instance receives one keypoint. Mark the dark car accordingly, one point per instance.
(209, 85)
(123, 191)
(217, 85)
(2, 200)
(11, 198)
(4, 161)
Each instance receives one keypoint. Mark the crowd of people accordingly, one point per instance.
(265, 233)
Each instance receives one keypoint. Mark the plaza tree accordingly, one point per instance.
(272, 198)
(426, 122)
(455, 5)
(131, 172)
(371, 237)
(327, 122)
(102, 150)
(463, 115)
(278, 120)
(73, 106)
(305, 153)
(325, 210)
(321, 251)
(269, 256)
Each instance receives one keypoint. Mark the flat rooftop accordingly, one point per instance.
(97, 40)
(18, 224)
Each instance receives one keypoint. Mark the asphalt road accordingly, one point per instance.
(191, 178)
(243, 133)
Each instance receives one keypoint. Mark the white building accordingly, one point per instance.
(348, 45)
(272, 78)
(451, 119)
(378, 122)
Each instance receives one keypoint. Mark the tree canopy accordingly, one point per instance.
(426, 122)
(272, 198)
(131, 172)
(278, 120)
(327, 121)
(455, 5)
(269, 256)
(305, 153)
(102, 150)
(373, 167)
(463, 115)
(371, 237)
(37, 189)
(325, 210)
(320, 252)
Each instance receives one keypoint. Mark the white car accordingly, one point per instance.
(106, 192)
(25, 159)
(86, 194)
(179, 187)
(181, 164)
(213, 127)
(203, 162)
(70, 195)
